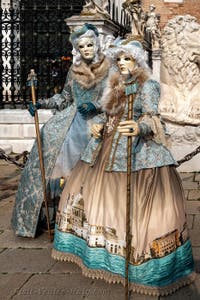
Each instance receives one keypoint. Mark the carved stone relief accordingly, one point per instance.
(153, 27)
(97, 8)
(180, 71)
(180, 135)
(145, 25)
(133, 7)
(184, 140)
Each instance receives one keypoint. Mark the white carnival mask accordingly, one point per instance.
(125, 63)
(86, 47)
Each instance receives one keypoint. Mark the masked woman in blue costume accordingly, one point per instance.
(65, 135)
(90, 223)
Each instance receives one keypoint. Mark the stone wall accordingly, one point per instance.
(170, 8)
(17, 129)
(191, 185)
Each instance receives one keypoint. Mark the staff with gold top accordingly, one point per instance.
(32, 82)
(130, 129)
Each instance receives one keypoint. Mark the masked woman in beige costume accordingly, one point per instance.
(90, 227)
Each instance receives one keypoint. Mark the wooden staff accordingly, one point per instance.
(130, 90)
(32, 82)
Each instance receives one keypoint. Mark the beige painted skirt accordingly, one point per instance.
(93, 208)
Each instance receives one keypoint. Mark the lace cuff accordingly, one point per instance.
(155, 126)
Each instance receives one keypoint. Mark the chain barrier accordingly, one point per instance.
(24, 156)
(188, 156)
(14, 159)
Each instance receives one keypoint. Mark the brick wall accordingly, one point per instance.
(168, 10)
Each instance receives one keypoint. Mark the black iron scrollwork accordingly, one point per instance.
(34, 35)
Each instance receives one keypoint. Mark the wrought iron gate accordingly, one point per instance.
(34, 35)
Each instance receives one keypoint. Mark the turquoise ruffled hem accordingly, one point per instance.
(159, 272)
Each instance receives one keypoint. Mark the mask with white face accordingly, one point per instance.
(86, 48)
(125, 63)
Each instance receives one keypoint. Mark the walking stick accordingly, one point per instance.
(129, 90)
(32, 82)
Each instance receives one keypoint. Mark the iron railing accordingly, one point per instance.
(34, 35)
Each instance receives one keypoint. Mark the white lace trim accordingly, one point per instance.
(114, 278)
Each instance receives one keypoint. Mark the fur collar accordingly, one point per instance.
(89, 75)
(114, 98)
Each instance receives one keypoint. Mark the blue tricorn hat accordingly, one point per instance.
(77, 33)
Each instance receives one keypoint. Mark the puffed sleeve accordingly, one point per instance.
(150, 123)
(62, 100)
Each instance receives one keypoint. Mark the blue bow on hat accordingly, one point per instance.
(77, 33)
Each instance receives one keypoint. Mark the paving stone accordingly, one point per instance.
(26, 261)
(10, 283)
(2, 162)
(8, 170)
(1, 250)
(135, 296)
(101, 284)
(9, 240)
(65, 267)
(10, 184)
(197, 177)
(60, 286)
(72, 287)
(195, 237)
(6, 200)
(196, 255)
(9, 177)
(5, 195)
(190, 292)
(5, 213)
(196, 224)
(190, 221)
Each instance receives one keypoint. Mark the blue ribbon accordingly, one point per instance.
(131, 89)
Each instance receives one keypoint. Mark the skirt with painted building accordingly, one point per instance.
(91, 227)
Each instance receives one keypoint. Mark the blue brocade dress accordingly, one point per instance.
(64, 138)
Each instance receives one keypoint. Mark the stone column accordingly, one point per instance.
(104, 26)
(156, 61)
